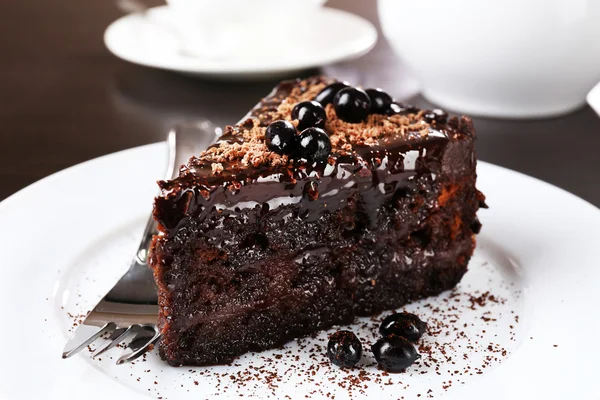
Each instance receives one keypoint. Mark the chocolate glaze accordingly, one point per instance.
(376, 172)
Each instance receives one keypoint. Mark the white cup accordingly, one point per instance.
(229, 28)
(499, 58)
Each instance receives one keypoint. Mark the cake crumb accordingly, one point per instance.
(217, 168)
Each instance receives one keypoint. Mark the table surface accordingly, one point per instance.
(65, 99)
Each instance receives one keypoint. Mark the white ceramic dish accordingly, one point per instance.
(234, 28)
(66, 239)
(593, 98)
(498, 58)
(331, 36)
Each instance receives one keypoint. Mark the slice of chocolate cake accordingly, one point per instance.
(325, 203)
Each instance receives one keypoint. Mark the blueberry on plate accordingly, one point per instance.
(327, 95)
(281, 137)
(309, 114)
(394, 353)
(344, 349)
(314, 145)
(352, 104)
(406, 325)
(380, 101)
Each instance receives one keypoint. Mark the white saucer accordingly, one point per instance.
(66, 239)
(330, 36)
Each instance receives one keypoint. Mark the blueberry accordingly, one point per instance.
(314, 145)
(396, 108)
(406, 325)
(352, 104)
(394, 353)
(309, 114)
(344, 349)
(327, 95)
(380, 101)
(436, 115)
(281, 137)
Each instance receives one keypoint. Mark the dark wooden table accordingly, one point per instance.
(65, 99)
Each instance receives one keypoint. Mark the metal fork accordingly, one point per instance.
(129, 310)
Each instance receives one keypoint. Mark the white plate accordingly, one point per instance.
(330, 36)
(593, 98)
(66, 239)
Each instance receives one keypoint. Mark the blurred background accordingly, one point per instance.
(64, 98)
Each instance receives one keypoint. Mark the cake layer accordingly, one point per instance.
(257, 249)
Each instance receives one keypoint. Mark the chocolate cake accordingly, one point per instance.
(325, 203)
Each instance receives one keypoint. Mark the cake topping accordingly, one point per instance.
(344, 349)
(396, 108)
(281, 137)
(315, 145)
(380, 101)
(352, 104)
(436, 115)
(356, 121)
(251, 152)
(309, 114)
(395, 353)
(327, 95)
(406, 325)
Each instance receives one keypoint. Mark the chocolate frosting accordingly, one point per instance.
(379, 158)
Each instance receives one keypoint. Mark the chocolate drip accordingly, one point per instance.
(396, 165)
(377, 173)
